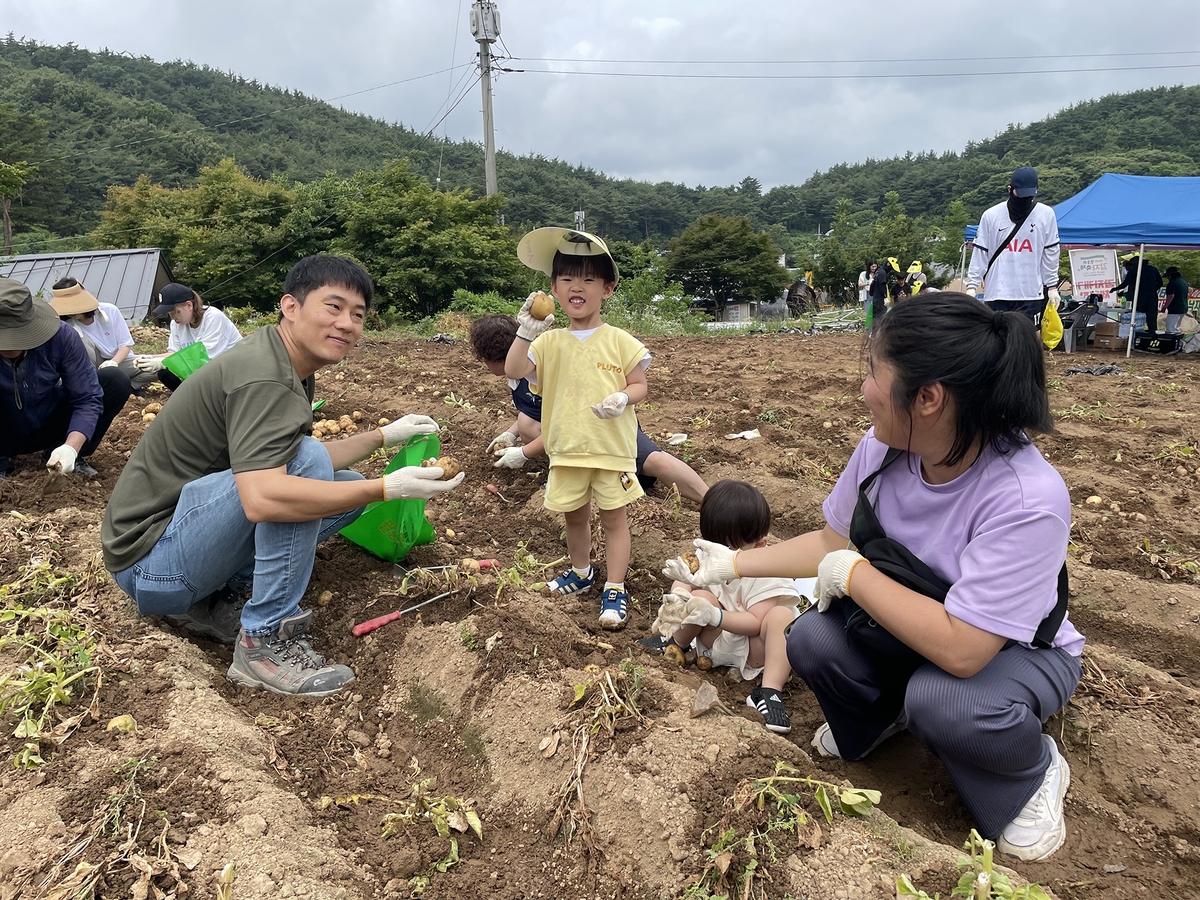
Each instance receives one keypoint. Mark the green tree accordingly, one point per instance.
(12, 179)
(22, 140)
(421, 245)
(842, 255)
(724, 259)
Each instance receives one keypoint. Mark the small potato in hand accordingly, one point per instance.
(448, 464)
(543, 305)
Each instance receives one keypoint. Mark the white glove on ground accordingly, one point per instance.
(512, 458)
(670, 614)
(611, 406)
(107, 364)
(405, 427)
(64, 458)
(528, 327)
(148, 364)
(1054, 297)
(833, 576)
(418, 483)
(701, 612)
(502, 441)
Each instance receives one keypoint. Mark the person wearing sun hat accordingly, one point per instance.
(589, 377)
(52, 400)
(101, 327)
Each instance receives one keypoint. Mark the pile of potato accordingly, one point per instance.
(150, 412)
(327, 428)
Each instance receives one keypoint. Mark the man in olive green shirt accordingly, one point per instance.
(227, 490)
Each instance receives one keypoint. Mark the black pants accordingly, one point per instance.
(169, 379)
(1151, 311)
(53, 432)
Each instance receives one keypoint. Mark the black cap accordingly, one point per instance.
(1024, 182)
(171, 296)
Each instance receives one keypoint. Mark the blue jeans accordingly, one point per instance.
(210, 542)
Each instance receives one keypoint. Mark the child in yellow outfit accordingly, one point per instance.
(589, 377)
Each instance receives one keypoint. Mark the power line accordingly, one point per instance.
(854, 76)
(806, 62)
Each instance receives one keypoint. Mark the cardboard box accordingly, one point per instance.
(1107, 329)
(1109, 342)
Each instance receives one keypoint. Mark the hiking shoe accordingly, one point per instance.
(571, 582)
(84, 469)
(218, 616)
(825, 745)
(770, 706)
(286, 663)
(1039, 828)
(613, 609)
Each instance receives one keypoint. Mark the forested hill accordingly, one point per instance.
(92, 119)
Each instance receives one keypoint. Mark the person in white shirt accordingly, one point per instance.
(192, 321)
(864, 282)
(101, 327)
(1022, 274)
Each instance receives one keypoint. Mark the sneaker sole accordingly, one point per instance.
(611, 625)
(249, 681)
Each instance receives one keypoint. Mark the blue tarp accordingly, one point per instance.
(1129, 210)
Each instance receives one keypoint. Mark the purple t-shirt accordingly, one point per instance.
(997, 533)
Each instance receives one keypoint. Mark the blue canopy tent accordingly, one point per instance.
(1130, 212)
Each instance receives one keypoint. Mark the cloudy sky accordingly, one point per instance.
(915, 85)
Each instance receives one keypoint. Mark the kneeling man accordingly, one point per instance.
(215, 520)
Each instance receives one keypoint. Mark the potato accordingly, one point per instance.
(153, 408)
(148, 417)
(332, 428)
(448, 464)
(543, 305)
(383, 422)
(356, 416)
(345, 421)
(693, 563)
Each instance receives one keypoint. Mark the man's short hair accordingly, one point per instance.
(598, 266)
(735, 514)
(492, 335)
(324, 269)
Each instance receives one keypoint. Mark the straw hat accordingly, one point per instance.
(25, 323)
(537, 248)
(70, 301)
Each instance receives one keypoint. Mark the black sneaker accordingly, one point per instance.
(285, 663)
(770, 706)
(218, 616)
(654, 643)
(84, 469)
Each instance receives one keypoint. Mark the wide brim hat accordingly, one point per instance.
(73, 300)
(537, 248)
(25, 323)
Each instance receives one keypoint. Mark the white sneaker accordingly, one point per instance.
(825, 745)
(1039, 828)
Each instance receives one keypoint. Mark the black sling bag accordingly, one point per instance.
(996, 253)
(893, 659)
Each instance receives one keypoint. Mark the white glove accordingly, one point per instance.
(148, 364)
(670, 614)
(1053, 296)
(107, 364)
(528, 327)
(502, 441)
(405, 427)
(64, 458)
(418, 483)
(700, 612)
(833, 576)
(611, 406)
(512, 458)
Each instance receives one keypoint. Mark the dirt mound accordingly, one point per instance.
(619, 792)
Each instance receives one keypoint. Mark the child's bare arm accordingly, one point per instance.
(636, 387)
(750, 622)
(518, 364)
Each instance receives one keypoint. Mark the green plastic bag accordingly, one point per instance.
(390, 528)
(186, 361)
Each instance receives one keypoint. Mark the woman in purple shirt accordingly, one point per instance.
(959, 636)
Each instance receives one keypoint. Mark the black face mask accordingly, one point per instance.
(1019, 207)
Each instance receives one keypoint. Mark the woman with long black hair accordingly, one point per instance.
(948, 615)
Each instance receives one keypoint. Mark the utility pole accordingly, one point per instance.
(485, 28)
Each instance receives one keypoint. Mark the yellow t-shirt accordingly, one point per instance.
(573, 376)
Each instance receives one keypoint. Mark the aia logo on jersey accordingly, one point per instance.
(1019, 245)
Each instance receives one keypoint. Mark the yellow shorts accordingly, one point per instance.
(570, 487)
